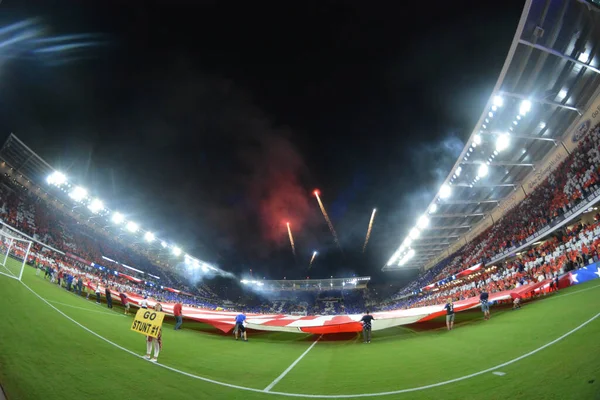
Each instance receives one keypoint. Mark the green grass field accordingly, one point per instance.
(46, 355)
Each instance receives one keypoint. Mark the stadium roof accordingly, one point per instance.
(550, 78)
(90, 211)
(308, 284)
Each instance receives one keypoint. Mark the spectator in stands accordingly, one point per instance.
(449, 314)
(156, 342)
(366, 321)
(178, 317)
(240, 329)
(485, 305)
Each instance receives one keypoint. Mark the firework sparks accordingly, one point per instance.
(326, 216)
(369, 230)
(312, 259)
(291, 239)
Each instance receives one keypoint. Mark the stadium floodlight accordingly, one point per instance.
(477, 139)
(498, 101)
(445, 191)
(562, 94)
(163, 244)
(118, 218)
(482, 171)
(407, 242)
(542, 125)
(96, 206)
(78, 194)
(502, 143)
(423, 222)
(491, 114)
(132, 227)
(433, 208)
(458, 171)
(176, 251)
(149, 236)
(525, 107)
(56, 178)
(584, 57)
(204, 268)
(394, 257)
(414, 233)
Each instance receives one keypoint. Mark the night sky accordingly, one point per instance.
(211, 122)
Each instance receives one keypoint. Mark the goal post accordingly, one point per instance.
(14, 254)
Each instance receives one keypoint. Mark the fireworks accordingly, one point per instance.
(312, 259)
(335, 238)
(369, 230)
(291, 239)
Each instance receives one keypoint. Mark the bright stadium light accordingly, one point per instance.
(498, 101)
(176, 251)
(423, 222)
(96, 206)
(163, 244)
(414, 233)
(407, 242)
(482, 171)
(78, 193)
(542, 125)
(394, 258)
(118, 218)
(445, 191)
(433, 208)
(477, 139)
(584, 57)
(149, 236)
(56, 178)
(502, 143)
(458, 171)
(525, 107)
(132, 227)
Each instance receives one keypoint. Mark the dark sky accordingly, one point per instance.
(211, 122)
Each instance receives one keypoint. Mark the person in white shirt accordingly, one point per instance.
(144, 302)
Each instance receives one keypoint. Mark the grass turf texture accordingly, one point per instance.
(45, 355)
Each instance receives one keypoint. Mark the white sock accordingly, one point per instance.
(148, 347)
(156, 348)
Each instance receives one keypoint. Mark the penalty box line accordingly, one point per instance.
(284, 373)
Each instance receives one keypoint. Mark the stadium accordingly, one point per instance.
(516, 218)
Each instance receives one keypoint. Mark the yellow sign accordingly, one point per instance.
(148, 322)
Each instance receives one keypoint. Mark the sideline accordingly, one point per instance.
(324, 396)
(87, 309)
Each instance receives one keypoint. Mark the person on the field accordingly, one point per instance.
(240, 329)
(144, 302)
(178, 315)
(517, 302)
(79, 285)
(108, 297)
(156, 342)
(485, 305)
(97, 293)
(124, 301)
(449, 314)
(366, 321)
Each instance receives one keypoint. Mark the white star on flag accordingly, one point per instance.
(573, 278)
(598, 272)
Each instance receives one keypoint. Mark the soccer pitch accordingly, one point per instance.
(55, 345)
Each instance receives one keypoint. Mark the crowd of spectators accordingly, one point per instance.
(564, 188)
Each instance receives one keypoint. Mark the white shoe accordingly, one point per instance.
(147, 357)
(154, 360)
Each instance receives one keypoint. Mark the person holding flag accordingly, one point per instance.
(485, 305)
(240, 329)
(366, 321)
(449, 314)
